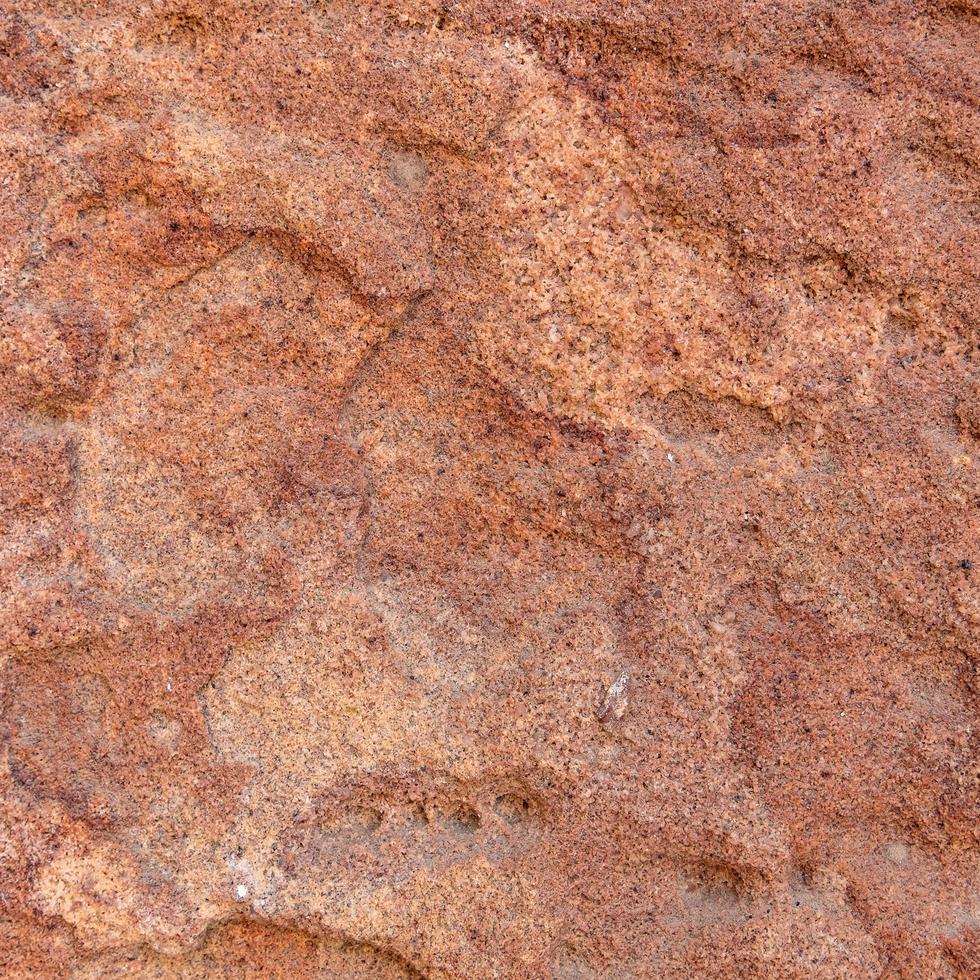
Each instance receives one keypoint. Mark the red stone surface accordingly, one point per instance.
(489, 489)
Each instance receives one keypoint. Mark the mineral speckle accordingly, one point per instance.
(489, 489)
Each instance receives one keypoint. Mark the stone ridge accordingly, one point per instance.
(489, 489)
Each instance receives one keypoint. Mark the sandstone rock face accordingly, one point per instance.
(489, 489)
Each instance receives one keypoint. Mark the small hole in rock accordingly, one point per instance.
(460, 818)
(356, 818)
(417, 817)
(513, 809)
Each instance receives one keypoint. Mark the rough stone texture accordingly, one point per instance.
(489, 489)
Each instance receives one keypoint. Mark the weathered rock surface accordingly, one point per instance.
(489, 489)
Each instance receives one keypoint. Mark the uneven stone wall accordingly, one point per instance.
(489, 489)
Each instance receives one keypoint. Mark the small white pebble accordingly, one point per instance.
(242, 892)
(670, 457)
(169, 687)
(616, 701)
